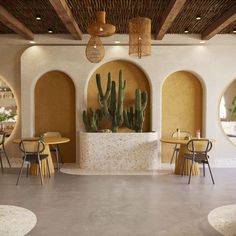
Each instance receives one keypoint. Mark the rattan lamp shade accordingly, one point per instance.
(95, 50)
(140, 36)
(100, 27)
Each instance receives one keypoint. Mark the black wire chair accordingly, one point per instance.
(33, 153)
(54, 148)
(3, 150)
(198, 152)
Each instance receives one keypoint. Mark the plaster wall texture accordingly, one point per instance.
(214, 65)
(10, 72)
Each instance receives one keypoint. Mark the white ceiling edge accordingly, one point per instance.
(66, 39)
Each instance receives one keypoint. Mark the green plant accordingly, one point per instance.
(6, 115)
(117, 105)
(232, 109)
(104, 99)
(134, 119)
(111, 103)
(91, 119)
(112, 107)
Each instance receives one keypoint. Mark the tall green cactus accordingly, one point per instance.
(104, 100)
(91, 119)
(111, 104)
(134, 120)
(117, 106)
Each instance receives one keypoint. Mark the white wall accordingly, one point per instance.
(214, 63)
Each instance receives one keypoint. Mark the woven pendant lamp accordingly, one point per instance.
(100, 27)
(95, 50)
(140, 36)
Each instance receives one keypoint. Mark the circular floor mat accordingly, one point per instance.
(223, 220)
(16, 221)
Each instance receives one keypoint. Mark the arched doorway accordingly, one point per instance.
(135, 78)
(182, 103)
(55, 109)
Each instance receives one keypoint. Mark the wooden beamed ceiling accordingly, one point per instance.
(73, 16)
(14, 24)
(169, 15)
(221, 23)
(64, 12)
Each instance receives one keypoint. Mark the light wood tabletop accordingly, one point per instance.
(47, 140)
(180, 140)
(174, 140)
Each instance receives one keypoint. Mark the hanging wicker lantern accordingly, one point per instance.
(140, 36)
(100, 27)
(95, 50)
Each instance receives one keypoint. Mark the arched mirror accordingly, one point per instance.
(227, 112)
(8, 108)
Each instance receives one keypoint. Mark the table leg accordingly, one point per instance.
(34, 168)
(180, 160)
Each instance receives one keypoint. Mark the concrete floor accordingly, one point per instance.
(162, 205)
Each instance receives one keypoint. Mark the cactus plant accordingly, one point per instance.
(134, 119)
(112, 107)
(104, 100)
(116, 106)
(91, 119)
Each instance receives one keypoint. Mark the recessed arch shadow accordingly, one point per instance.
(182, 107)
(135, 78)
(55, 109)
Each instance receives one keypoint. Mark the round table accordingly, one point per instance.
(180, 159)
(34, 170)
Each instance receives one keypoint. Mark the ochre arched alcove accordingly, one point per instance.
(135, 78)
(55, 109)
(181, 107)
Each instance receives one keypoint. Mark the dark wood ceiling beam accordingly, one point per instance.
(14, 24)
(226, 19)
(168, 17)
(64, 12)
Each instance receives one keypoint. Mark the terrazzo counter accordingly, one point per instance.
(119, 151)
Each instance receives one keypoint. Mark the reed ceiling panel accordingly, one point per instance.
(118, 13)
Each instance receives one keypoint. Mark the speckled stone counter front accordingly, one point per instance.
(119, 151)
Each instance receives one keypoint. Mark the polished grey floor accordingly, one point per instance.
(162, 205)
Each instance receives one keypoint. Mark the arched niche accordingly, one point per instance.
(135, 78)
(182, 107)
(55, 109)
(8, 108)
(227, 112)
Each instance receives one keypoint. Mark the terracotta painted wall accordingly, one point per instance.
(135, 78)
(181, 107)
(55, 109)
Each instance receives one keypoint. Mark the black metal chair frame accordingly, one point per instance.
(54, 148)
(3, 150)
(33, 157)
(199, 156)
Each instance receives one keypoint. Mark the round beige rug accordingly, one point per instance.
(223, 220)
(16, 221)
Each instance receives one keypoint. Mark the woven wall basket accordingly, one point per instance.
(95, 50)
